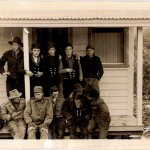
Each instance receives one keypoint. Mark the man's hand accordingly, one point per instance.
(7, 73)
(44, 130)
(38, 74)
(29, 73)
(15, 114)
(81, 78)
(69, 70)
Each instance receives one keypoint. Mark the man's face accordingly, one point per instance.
(90, 52)
(51, 51)
(78, 94)
(16, 100)
(55, 96)
(36, 52)
(16, 47)
(39, 95)
(68, 51)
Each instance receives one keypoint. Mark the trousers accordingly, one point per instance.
(100, 119)
(17, 128)
(34, 129)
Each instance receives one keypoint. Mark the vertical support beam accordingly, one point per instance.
(26, 62)
(139, 73)
(130, 70)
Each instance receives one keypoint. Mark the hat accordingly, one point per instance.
(89, 47)
(78, 87)
(92, 92)
(38, 89)
(16, 40)
(35, 45)
(14, 93)
(68, 44)
(51, 45)
(53, 89)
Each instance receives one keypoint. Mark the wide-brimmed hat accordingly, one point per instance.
(14, 94)
(16, 40)
(38, 89)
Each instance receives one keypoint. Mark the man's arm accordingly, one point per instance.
(62, 70)
(3, 60)
(66, 110)
(100, 69)
(27, 113)
(49, 113)
(4, 114)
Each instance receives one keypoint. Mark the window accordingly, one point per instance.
(109, 44)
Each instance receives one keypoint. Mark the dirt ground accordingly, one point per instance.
(146, 112)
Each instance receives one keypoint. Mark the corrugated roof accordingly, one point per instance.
(22, 10)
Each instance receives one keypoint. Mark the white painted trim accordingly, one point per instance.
(131, 71)
(139, 74)
(26, 62)
(75, 23)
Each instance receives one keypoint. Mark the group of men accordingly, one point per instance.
(64, 93)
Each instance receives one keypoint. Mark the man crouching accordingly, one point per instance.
(77, 112)
(100, 114)
(38, 114)
(12, 112)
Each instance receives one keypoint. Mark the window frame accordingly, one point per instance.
(125, 64)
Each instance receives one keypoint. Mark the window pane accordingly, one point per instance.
(109, 44)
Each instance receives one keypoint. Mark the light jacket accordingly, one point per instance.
(9, 112)
(38, 111)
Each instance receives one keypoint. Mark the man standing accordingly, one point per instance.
(52, 66)
(38, 114)
(15, 72)
(71, 70)
(92, 68)
(37, 67)
(77, 112)
(12, 112)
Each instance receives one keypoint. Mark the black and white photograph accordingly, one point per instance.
(75, 74)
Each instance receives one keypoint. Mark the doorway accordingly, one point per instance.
(58, 36)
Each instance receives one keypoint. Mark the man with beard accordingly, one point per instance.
(12, 112)
(77, 112)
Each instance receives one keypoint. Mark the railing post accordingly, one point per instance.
(26, 62)
(139, 74)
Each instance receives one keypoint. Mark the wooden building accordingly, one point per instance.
(110, 27)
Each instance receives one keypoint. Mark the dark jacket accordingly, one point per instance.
(91, 67)
(72, 75)
(15, 65)
(52, 66)
(35, 67)
(69, 109)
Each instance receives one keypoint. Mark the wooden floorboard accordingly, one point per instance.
(119, 125)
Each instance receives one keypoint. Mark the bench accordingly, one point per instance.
(120, 125)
